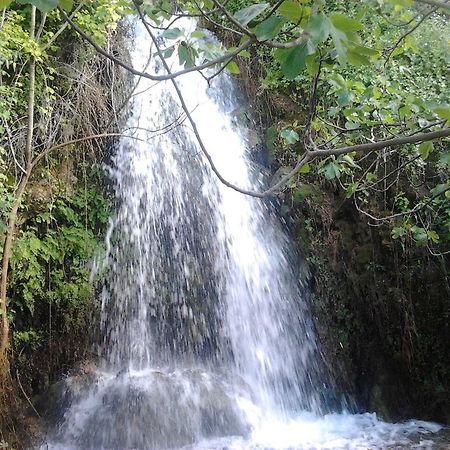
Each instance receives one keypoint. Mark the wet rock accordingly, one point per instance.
(152, 409)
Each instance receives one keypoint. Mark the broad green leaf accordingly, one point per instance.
(319, 28)
(305, 169)
(290, 136)
(312, 64)
(410, 43)
(419, 234)
(425, 148)
(43, 5)
(269, 28)
(351, 189)
(245, 15)
(292, 60)
(337, 80)
(356, 58)
(346, 24)
(5, 3)
(67, 5)
(366, 51)
(172, 33)
(340, 43)
(443, 111)
(439, 189)
(351, 125)
(345, 98)
(433, 236)
(291, 10)
(444, 158)
(233, 68)
(168, 52)
(398, 232)
(198, 34)
(331, 171)
(244, 54)
(186, 55)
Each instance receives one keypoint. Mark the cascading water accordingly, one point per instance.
(208, 342)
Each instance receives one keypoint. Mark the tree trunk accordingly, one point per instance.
(9, 237)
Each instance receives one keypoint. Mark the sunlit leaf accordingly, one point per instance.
(425, 148)
(245, 15)
(43, 5)
(356, 58)
(67, 5)
(433, 236)
(305, 169)
(233, 68)
(443, 111)
(346, 24)
(340, 43)
(398, 232)
(244, 54)
(269, 28)
(198, 34)
(319, 28)
(292, 60)
(172, 33)
(290, 136)
(291, 10)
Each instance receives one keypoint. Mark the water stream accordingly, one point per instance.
(207, 337)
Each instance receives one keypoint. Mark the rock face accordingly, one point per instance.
(149, 409)
(383, 312)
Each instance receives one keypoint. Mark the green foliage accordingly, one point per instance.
(369, 90)
(43, 5)
(50, 260)
(246, 15)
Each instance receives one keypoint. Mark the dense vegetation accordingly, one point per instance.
(354, 104)
(55, 94)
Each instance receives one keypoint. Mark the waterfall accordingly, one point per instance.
(208, 341)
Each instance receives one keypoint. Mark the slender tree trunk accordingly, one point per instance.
(5, 265)
(9, 237)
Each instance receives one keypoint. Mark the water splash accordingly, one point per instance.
(208, 340)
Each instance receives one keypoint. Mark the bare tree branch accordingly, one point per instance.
(404, 35)
(414, 210)
(412, 139)
(49, 150)
(189, 116)
(234, 21)
(168, 76)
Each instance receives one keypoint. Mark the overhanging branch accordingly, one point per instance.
(395, 142)
(226, 57)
